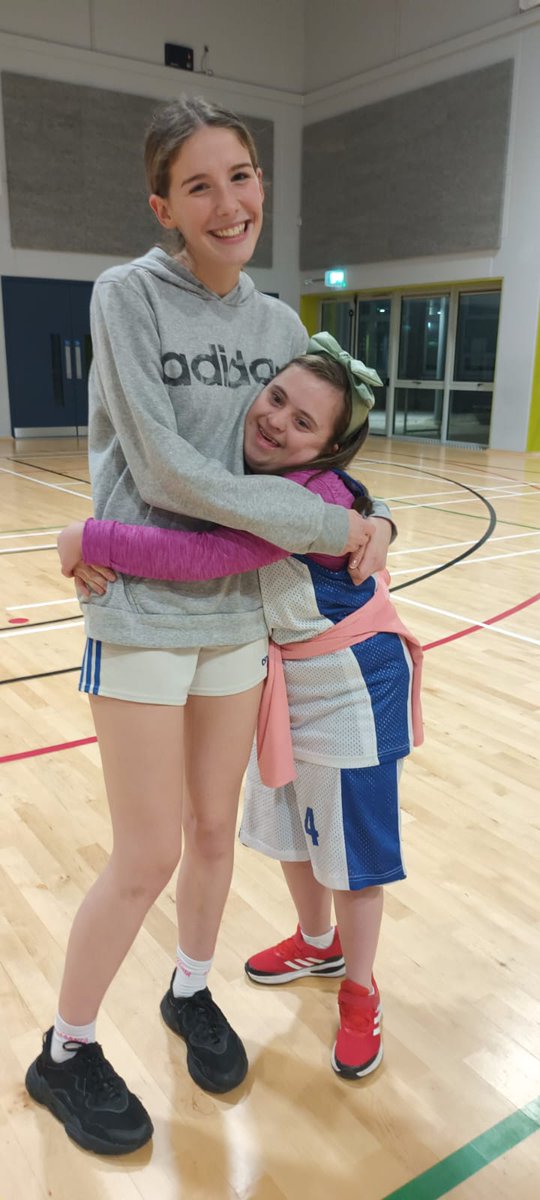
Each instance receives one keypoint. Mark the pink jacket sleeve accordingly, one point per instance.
(155, 553)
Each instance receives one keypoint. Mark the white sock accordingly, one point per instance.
(63, 1033)
(323, 941)
(190, 975)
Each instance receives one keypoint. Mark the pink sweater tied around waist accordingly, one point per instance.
(274, 742)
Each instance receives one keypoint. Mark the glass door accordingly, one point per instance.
(372, 345)
(337, 318)
(435, 354)
(419, 390)
(471, 387)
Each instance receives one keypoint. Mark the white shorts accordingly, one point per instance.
(345, 821)
(169, 676)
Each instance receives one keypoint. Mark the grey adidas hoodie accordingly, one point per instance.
(175, 369)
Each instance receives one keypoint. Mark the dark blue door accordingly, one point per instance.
(81, 347)
(48, 349)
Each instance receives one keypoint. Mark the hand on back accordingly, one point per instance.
(370, 554)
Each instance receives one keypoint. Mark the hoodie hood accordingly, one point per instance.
(159, 263)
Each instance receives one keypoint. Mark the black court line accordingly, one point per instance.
(40, 675)
(492, 524)
(63, 474)
(456, 462)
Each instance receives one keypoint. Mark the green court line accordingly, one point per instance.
(459, 1166)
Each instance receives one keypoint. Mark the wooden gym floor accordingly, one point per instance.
(458, 965)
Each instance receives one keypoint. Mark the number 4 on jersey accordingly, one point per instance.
(309, 826)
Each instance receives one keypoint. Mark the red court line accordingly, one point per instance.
(48, 749)
(429, 646)
(452, 637)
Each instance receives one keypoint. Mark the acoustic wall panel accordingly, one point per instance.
(75, 172)
(422, 173)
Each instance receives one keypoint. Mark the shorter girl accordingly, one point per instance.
(327, 806)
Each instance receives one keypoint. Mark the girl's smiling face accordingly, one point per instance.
(215, 199)
(292, 422)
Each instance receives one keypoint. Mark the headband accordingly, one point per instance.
(361, 378)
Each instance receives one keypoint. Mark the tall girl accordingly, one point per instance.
(341, 704)
(181, 344)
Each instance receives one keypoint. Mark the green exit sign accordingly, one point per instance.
(336, 278)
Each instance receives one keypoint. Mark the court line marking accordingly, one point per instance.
(40, 604)
(485, 536)
(417, 473)
(29, 533)
(27, 549)
(473, 623)
(49, 453)
(412, 472)
(40, 675)
(50, 470)
(467, 500)
(505, 537)
(42, 483)
(88, 741)
(474, 562)
(479, 517)
(449, 492)
(489, 473)
(70, 623)
(471, 1158)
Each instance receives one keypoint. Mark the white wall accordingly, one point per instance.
(517, 261)
(251, 41)
(254, 45)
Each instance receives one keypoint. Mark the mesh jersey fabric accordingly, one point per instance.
(345, 821)
(351, 708)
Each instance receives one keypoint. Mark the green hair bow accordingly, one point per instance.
(361, 378)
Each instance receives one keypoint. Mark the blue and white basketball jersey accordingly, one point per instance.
(351, 708)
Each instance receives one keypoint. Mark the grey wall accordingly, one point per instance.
(418, 174)
(74, 169)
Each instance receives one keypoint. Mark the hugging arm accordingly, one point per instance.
(155, 553)
(134, 406)
(175, 554)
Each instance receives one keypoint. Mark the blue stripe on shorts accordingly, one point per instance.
(371, 825)
(90, 677)
(97, 669)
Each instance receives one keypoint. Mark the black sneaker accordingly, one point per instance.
(90, 1099)
(216, 1058)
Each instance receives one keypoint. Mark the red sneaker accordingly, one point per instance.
(358, 1047)
(294, 958)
